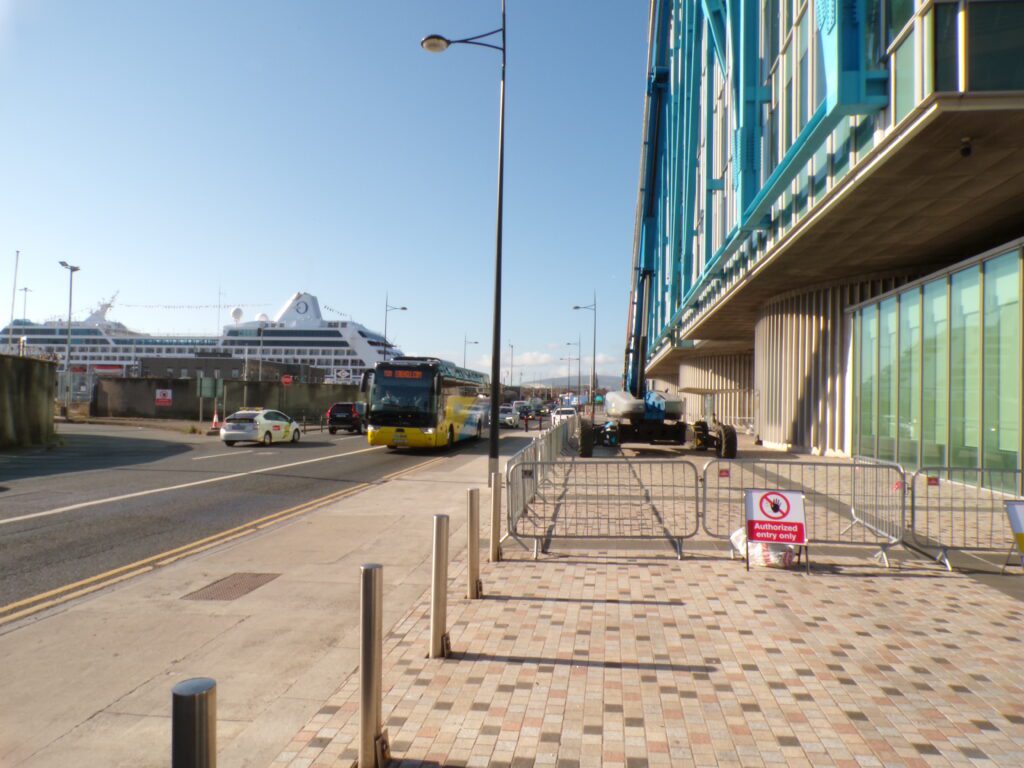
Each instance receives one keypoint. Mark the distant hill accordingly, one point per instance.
(604, 381)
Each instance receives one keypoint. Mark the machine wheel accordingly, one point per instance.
(586, 439)
(701, 435)
(726, 448)
(332, 430)
(296, 434)
(267, 438)
(229, 443)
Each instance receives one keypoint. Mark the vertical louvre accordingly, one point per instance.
(734, 374)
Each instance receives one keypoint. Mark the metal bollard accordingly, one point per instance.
(194, 723)
(495, 554)
(474, 589)
(374, 750)
(440, 645)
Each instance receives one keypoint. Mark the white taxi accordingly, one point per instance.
(259, 425)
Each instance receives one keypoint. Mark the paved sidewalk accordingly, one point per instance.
(632, 658)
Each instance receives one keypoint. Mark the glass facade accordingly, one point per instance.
(938, 370)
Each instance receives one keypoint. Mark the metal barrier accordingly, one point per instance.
(962, 509)
(844, 503)
(603, 499)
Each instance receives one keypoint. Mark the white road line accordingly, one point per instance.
(151, 491)
(218, 455)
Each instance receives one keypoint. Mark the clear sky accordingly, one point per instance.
(172, 148)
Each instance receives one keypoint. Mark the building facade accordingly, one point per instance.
(813, 176)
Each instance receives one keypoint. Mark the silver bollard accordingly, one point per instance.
(374, 750)
(474, 589)
(495, 554)
(440, 645)
(194, 723)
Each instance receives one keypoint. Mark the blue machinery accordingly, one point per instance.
(694, 39)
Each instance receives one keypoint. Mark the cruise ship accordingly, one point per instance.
(298, 334)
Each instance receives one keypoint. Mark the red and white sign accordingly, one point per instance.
(775, 516)
(286, 380)
(163, 398)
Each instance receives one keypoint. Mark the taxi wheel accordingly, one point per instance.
(296, 435)
(267, 439)
(229, 443)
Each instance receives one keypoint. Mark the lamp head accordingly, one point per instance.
(577, 306)
(435, 44)
(64, 264)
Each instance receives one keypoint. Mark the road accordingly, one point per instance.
(114, 495)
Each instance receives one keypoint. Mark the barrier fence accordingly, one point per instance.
(605, 499)
(552, 495)
(961, 509)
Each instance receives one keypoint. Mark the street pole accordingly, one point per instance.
(24, 301)
(579, 366)
(388, 309)
(67, 349)
(465, 343)
(511, 365)
(439, 44)
(14, 295)
(259, 375)
(593, 366)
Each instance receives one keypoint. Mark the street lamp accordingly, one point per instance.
(579, 362)
(593, 359)
(465, 343)
(388, 309)
(14, 295)
(439, 44)
(568, 373)
(67, 351)
(24, 301)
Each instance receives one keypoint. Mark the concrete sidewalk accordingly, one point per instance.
(632, 658)
(89, 683)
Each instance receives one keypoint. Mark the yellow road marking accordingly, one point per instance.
(30, 605)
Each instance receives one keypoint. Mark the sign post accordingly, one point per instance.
(776, 517)
(1015, 511)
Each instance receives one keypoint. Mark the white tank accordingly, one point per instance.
(622, 405)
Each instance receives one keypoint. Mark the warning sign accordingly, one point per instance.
(163, 398)
(775, 516)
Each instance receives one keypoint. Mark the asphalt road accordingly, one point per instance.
(113, 495)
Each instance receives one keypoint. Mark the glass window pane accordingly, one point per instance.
(841, 144)
(934, 382)
(805, 71)
(868, 352)
(1002, 365)
(865, 135)
(887, 367)
(910, 377)
(820, 182)
(898, 13)
(904, 72)
(946, 78)
(873, 46)
(994, 34)
(964, 374)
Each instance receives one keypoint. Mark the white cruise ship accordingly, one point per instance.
(298, 334)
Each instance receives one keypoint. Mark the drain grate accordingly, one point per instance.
(232, 587)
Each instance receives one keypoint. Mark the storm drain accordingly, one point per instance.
(232, 587)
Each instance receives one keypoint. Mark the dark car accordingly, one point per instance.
(345, 416)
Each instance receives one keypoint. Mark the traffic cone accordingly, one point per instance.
(216, 419)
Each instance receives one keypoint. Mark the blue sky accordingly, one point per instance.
(171, 148)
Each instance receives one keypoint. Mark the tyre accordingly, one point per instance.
(479, 430)
(296, 434)
(727, 436)
(229, 443)
(267, 438)
(586, 439)
(332, 430)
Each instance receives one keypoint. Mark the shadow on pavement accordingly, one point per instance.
(694, 669)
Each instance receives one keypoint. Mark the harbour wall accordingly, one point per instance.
(139, 398)
(27, 387)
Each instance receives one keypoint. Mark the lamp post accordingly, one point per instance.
(439, 44)
(593, 359)
(67, 350)
(578, 359)
(511, 365)
(388, 309)
(465, 343)
(14, 295)
(24, 301)
(568, 372)
(259, 375)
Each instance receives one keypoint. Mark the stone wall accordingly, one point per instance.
(27, 388)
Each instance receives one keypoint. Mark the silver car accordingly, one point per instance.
(260, 425)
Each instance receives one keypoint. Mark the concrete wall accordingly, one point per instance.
(734, 374)
(27, 387)
(137, 397)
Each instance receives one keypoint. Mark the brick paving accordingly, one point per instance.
(628, 658)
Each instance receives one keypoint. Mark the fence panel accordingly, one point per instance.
(844, 503)
(604, 499)
(952, 508)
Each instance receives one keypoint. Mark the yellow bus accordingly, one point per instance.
(424, 402)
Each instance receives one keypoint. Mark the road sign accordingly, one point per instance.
(776, 517)
(163, 398)
(286, 380)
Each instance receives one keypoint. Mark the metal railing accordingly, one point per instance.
(859, 503)
(961, 509)
(603, 499)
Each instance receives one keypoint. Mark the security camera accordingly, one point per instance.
(965, 146)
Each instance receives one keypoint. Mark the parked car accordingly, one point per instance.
(345, 416)
(508, 416)
(259, 425)
(562, 413)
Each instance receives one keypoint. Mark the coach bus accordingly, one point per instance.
(424, 402)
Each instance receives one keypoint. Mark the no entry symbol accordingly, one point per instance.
(774, 506)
